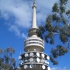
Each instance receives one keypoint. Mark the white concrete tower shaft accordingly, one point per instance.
(33, 57)
(34, 24)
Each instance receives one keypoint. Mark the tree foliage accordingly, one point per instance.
(7, 62)
(57, 24)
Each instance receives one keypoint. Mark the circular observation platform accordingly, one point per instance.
(34, 43)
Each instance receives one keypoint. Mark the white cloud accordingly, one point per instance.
(24, 36)
(59, 68)
(17, 32)
(15, 29)
(21, 12)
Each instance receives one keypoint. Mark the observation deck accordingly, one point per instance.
(34, 43)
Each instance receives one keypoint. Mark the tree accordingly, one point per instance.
(7, 62)
(57, 24)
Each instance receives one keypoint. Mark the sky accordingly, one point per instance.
(15, 21)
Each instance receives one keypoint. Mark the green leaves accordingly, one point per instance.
(57, 25)
(49, 36)
(13, 62)
(68, 12)
(62, 9)
(52, 41)
(10, 50)
(63, 38)
(6, 60)
(55, 8)
(49, 27)
(53, 61)
(55, 18)
(42, 29)
(1, 51)
(58, 51)
(63, 1)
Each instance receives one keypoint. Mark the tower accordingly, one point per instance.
(34, 58)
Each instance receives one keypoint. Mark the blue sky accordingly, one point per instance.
(16, 19)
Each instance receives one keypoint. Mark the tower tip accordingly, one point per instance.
(34, 24)
(34, 3)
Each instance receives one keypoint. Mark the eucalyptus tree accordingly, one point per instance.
(7, 62)
(57, 25)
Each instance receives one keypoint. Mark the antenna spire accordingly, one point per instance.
(34, 3)
(34, 24)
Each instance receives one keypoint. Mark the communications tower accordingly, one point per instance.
(34, 57)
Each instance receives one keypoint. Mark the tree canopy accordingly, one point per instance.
(7, 62)
(57, 24)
